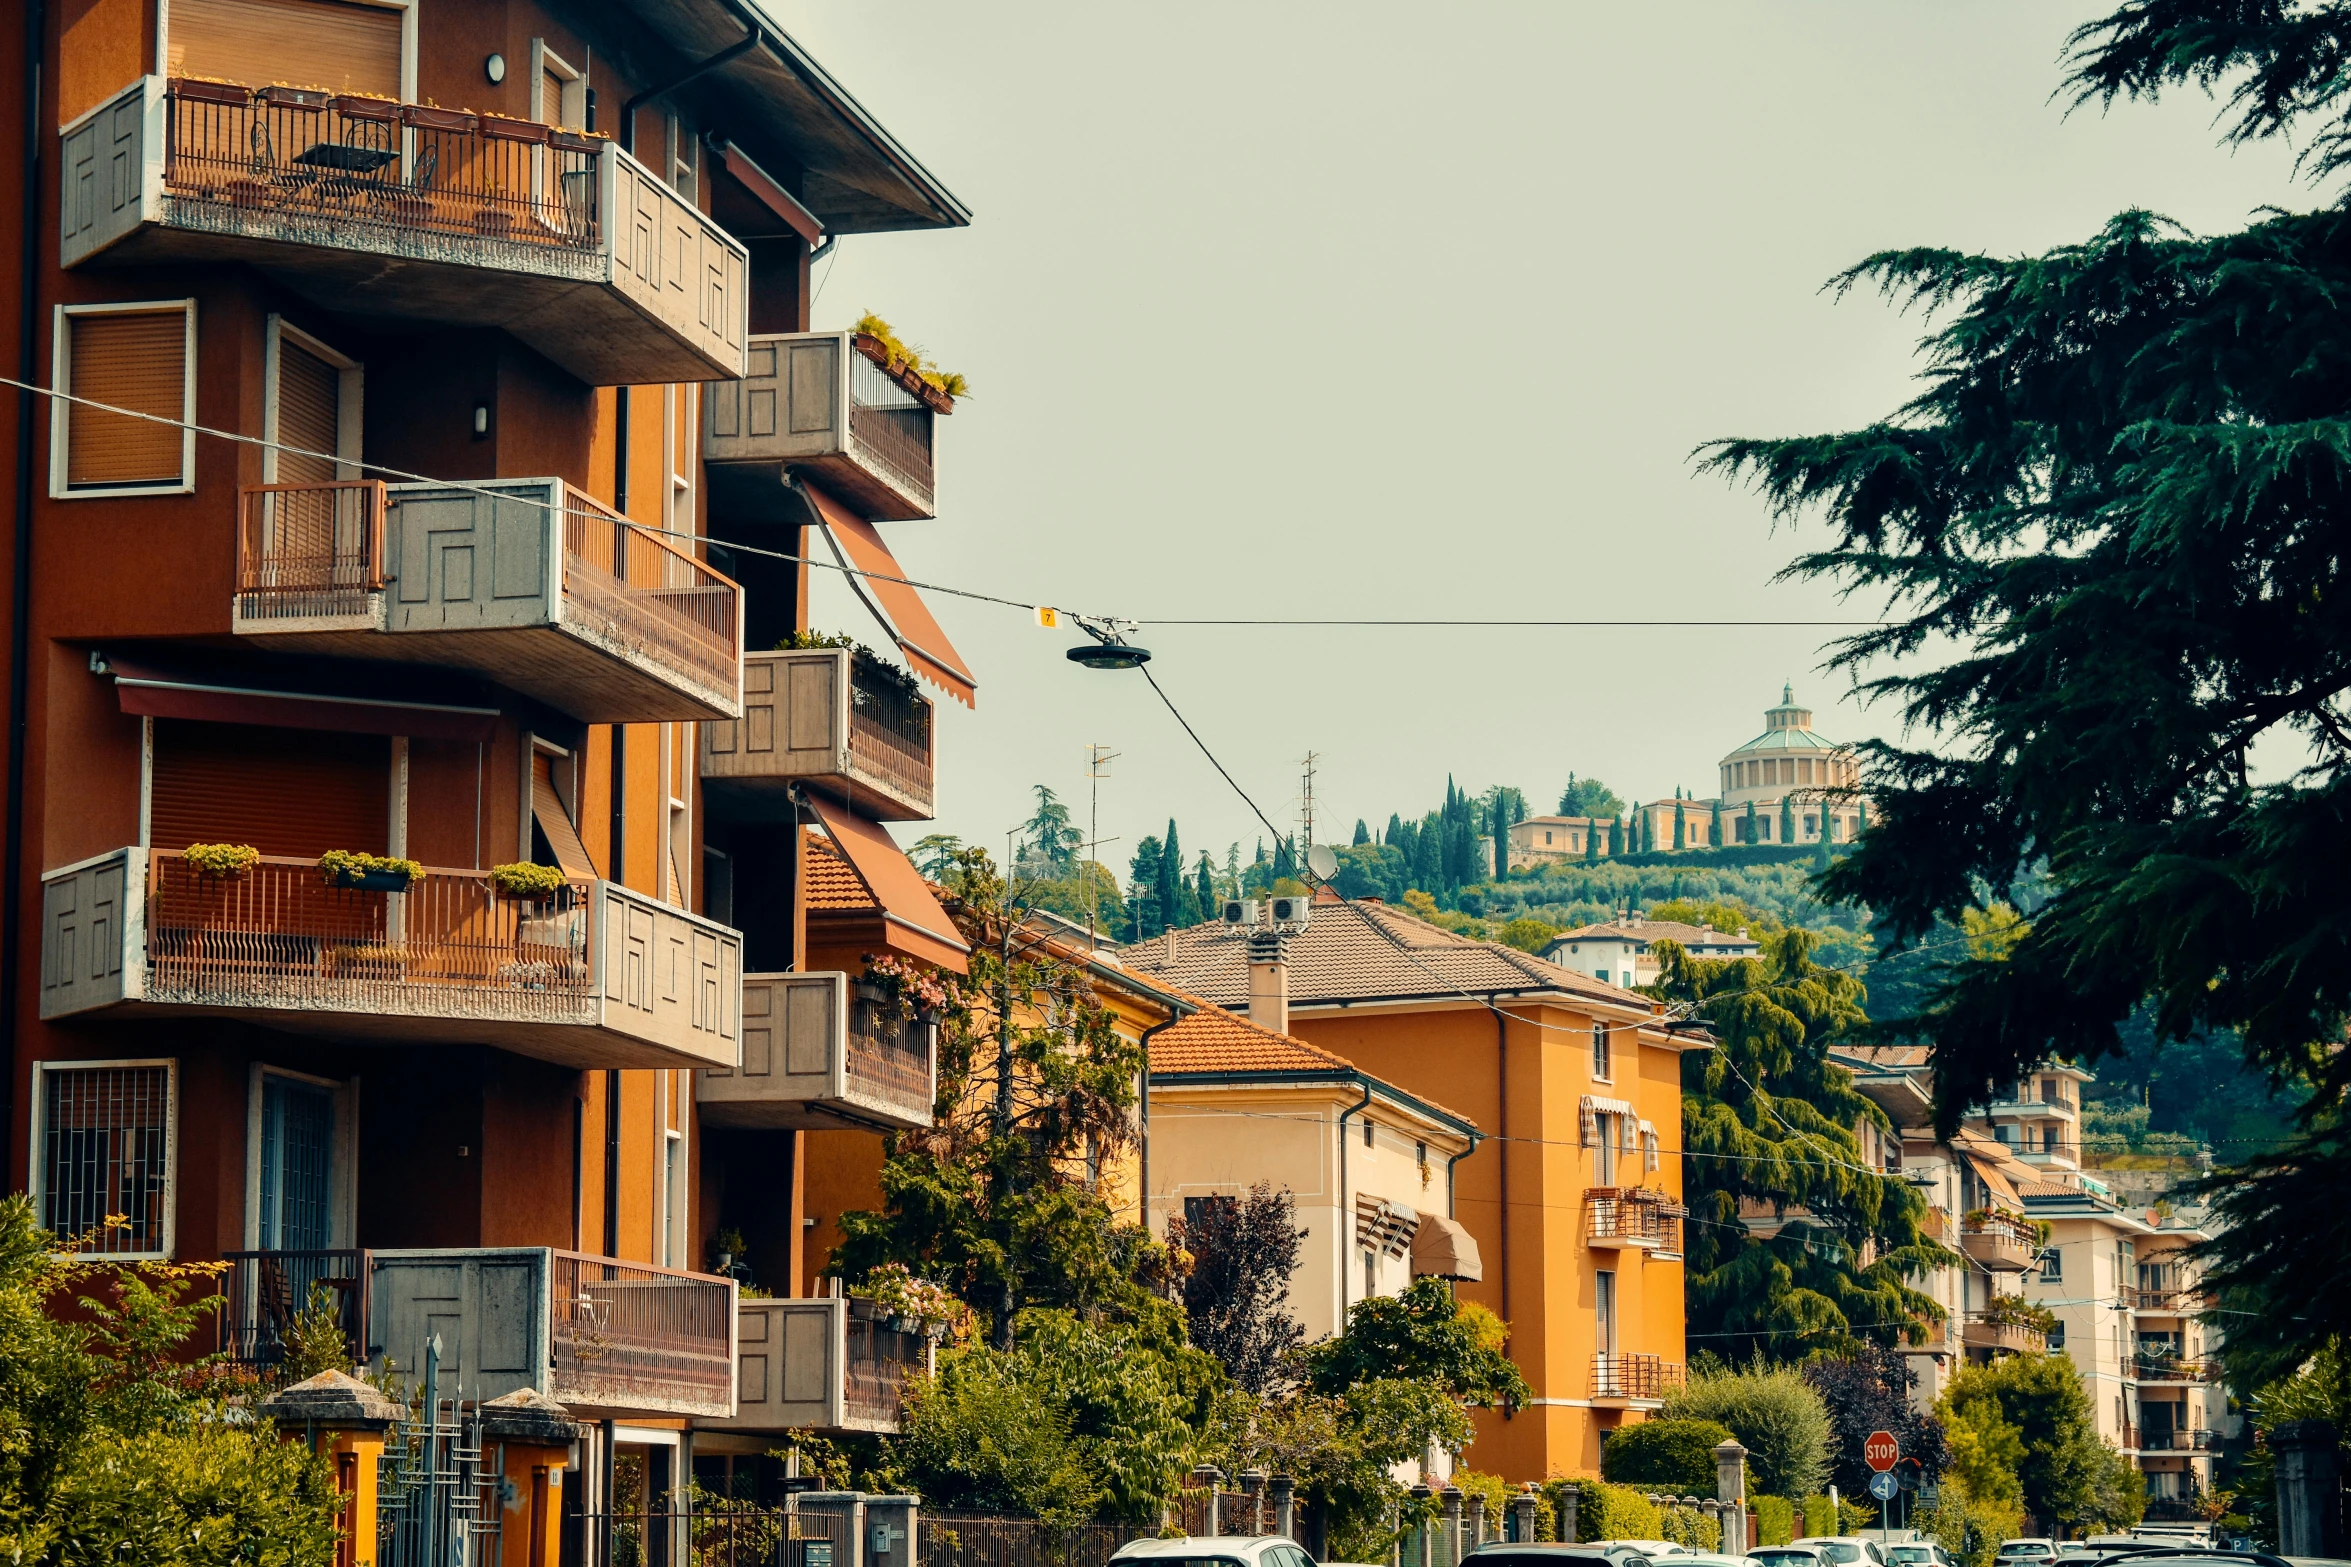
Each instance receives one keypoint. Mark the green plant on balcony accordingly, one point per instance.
(368, 872)
(899, 358)
(221, 861)
(913, 1303)
(806, 641)
(2014, 1311)
(527, 882)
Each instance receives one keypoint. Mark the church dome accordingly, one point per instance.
(1787, 731)
(1788, 758)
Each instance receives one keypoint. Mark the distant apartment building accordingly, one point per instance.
(1620, 951)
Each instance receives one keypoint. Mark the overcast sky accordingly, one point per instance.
(1288, 311)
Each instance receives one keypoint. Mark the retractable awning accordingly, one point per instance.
(1444, 1248)
(158, 691)
(918, 927)
(894, 603)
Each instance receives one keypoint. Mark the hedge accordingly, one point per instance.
(1675, 1455)
(1775, 1519)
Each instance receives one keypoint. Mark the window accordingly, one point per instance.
(673, 1187)
(681, 159)
(1604, 1311)
(136, 357)
(103, 1144)
(1600, 1047)
(2053, 1265)
(1605, 1162)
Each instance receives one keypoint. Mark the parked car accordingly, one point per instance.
(1222, 1550)
(1598, 1553)
(1918, 1553)
(1790, 1556)
(1713, 1559)
(1844, 1550)
(1655, 1550)
(2027, 1551)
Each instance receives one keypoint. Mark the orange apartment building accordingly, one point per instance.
(1574, 1197)
(508, 300)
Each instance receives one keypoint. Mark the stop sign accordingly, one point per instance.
(1880, 1451)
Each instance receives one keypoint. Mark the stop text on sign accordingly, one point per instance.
(1881, 1451)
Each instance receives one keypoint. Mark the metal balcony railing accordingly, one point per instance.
(1984, 1330)
(624, 1333)
(1618, 1374)
(652, 594)
(266, 1290)
(890, 425)
(831, 718)
(309, 551)
(2171, 1368)
(879, 1364)
(889, 727)
(890, 1056)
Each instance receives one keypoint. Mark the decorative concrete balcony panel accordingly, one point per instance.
(597, 1335)
(813, 402)
(817, 1055)
(527, 582)
(2006, 1338)
(594, 976)
(1999, 1245)
(832, 720)
(409, 212)
(824, 1365)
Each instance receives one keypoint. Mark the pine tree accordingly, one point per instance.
(1144, 919)
(1171, 881)
(1362, 832)
(1204, 888)
(1285, 858)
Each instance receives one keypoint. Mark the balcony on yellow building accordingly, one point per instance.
(377, 208)
(528, 582)
(822, 1050)
(833, 719)
(1623, 1380)
(1992, 1331)
(592, 975)
(836, 1365)
(1632, 1218)
(825, 404)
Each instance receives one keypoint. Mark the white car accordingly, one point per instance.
(1655, 1550)
(1846, 1550)
(2027, 1551)
(1221, 1550)
(1789, 1556)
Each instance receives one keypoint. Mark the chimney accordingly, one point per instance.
(1269, 981)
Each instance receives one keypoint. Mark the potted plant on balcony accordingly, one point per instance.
(899, 992)
(527, 883)
(366, 960)
(221, 861)
(909, 1303)
(209, 89)
(429, 116)
(280, 95)
(360, 106)
(360, 872)
(934, 388)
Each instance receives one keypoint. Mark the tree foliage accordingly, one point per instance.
(2120, 494)
(1237, 1295)
(1777, 1415)
(1422, 1335)
(1677, 1454)
(1867, 1389)
(2031, 1415)
(1768, 1119)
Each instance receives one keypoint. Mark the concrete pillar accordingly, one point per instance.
(529, 1438)
(890, 1525)
(1571, 1503)
(1253, 1487)
(2310, 1488)
(1451, 1497)
(1730, 1485)
(346, 1421)
(1208, 1477)
(1422, 1543)
(1522, 1515)
(1285, 1506)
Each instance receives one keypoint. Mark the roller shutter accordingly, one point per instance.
(295, 792)
(302, 43)
(126, 359)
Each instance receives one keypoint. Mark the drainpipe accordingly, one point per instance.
(1502, 1129)
(36, 30)
(1144, 1199)
(1346, 1262)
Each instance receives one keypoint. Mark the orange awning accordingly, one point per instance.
(897, 605)
(918, 927)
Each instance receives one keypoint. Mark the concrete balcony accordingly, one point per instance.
(599, 1336)
(2006, 1338)
(393, 210)
(832, 720)
(825, 1365)
(818, 403)
(1633, 1218)
(594, 976)
(819, 1052)
(2000, 1244)
(526, 582)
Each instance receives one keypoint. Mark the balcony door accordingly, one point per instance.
(299, 1187)
(338, 45)
(312, 415)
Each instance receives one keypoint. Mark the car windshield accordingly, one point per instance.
(1839, 1551)
(1911, 1553)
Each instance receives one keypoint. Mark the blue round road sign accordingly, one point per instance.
(1883, 1487)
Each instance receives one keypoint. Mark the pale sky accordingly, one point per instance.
(1292, 311)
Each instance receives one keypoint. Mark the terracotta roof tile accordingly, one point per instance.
(832, 885)
(1356, 950)
(1214, 1040)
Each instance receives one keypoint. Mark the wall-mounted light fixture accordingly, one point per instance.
(481, 421)
(495, 68)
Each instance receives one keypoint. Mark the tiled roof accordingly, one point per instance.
(1354, 951)
(1776, 741)
(1214, 1040)
(832, 885)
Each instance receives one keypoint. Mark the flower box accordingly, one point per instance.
(504, 129)
(284, 97)
(493, 222)
(197, 89)
(358, 106)
(246, 192)
(576, 141)
(424, 117)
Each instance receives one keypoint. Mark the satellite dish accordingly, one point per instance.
(1321, 861)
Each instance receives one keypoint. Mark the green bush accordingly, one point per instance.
(1775, 1519)
(1617, 1512)
(1776, 1416)
(1688, 1526)
(1675, 1454)
(1815, 1516)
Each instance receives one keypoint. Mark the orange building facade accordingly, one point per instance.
(429, 438)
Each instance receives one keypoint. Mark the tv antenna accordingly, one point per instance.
(1098, 760)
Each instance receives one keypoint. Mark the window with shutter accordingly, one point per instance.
(133, 359)
(339, 46)
(555, 822)
(310, 395)
(294, 792)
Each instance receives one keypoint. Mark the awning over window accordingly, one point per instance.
(1596, 1106)
(897, 605)
(157, 691)
(547, 810)
(918, 927)
(1986, 1157)
(1443, 1248)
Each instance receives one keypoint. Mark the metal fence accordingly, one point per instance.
(266, 1290)
(278, 934)
(1617, 1374)
(650, 594)
(889, 727)
(878, 1364)
(628, 1328)
(890, 1056)
(891, 426)
(309, 550)
(1636, 1214)
(437, 1500)
(429, 182)
(711, 1534)
(985, 1540)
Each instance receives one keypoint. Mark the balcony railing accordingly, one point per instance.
(1982, 1331)
(830, 718)
(2166, 1301)
(593, 975)
(817, 1054)
(383, 208)
(1632, 1216)
(592, 1333)
(266, 1290)
(1998, 1242)
(2171, 1368)
(1617, 1374)
(528, 582)
(823, 1364)
(815, 402)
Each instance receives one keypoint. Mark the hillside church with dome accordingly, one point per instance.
(1787, 785)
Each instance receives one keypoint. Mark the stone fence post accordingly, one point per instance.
(345, 1421)
(1571, 1505)
(1522, 1514)
(1452, 1535)
(2310, 1488)
(1730, 1486)
(1420, 1548)
(1208, 1477)
(1285, 1506)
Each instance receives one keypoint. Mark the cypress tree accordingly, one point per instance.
(1680, 831)
(1648, 820)
(1715, 834)
(1749, 831)
(1204, 887)
(1144, 919)
(1171, 880)
(1285, 857)
(1362, 833)
(1787, 818)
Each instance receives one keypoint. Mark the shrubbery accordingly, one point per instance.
(1675, 1454)
(1776, 1415)
(1775, 1519)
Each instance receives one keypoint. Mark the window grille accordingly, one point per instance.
(104, 1150)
